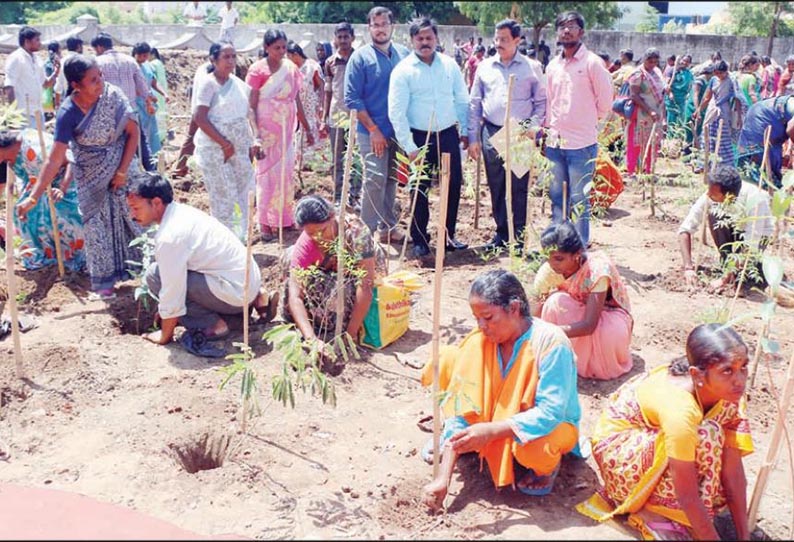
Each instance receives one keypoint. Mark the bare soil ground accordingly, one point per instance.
(106, 414)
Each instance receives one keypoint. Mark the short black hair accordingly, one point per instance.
(562, 237)
(421, 23)
(295, 49)
(73, 43)
(727, 178)
(54, 47)
(273, 35)
(720, 66)
(344, 27)
(567, 16)
(150, 185)
(377, 11)
(515, 28)
(628, 53)
(27, 33)
(650, 52)
(141, 48)
(604, 56)
(103, 40)
(312, 209)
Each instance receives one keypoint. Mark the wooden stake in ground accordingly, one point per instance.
(528, 224)
(248, 249)
(283, 189)
(56, 232)
(511, 234)
(765, 165)
(648, 154)
(416, 189)
(564, 201)
(440, 247)
(10, 276)
(477, 191)
(340, 247)
(774, 446)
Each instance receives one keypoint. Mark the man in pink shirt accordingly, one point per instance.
(579, 94)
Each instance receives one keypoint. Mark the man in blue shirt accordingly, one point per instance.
(366, 90)
(487, 111)
(428, 87)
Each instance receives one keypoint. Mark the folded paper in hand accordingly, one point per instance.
(519, 162)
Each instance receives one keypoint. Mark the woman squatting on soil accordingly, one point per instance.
(518, 376)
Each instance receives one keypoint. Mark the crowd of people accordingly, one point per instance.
(520, 366)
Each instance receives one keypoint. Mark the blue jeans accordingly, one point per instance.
(576, 168)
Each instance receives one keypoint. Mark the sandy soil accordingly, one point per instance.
(103, 412)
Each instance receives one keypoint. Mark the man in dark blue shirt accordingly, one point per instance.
(366, 90)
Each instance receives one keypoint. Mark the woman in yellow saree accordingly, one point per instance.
(669, 445)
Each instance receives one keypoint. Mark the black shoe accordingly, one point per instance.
(421, 251)
(495, 244)
(453, 245)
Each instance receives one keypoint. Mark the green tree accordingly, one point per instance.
(22, 12)
(760, 19)
(539, 15)
(649, 22)
(332, 12)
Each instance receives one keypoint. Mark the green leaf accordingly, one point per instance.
(773, 271)
(788, 179)
(780, 204)
(768, 310)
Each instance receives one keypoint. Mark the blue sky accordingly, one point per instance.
(695, 8)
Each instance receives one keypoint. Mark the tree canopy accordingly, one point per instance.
(334, 12)
(539, 15)
(757, 18)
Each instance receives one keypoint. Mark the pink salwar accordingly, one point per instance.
(604, 354)
(276, 120)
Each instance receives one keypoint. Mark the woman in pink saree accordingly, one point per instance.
(275, 85)
(588, 300)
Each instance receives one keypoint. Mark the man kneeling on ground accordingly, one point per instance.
(200, 266)
(745, 224)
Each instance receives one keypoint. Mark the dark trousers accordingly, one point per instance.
(446, 140)
(725, 238)
(146, 154)
(497, 185)
(188, 147)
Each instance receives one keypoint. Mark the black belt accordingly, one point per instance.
(452, 126)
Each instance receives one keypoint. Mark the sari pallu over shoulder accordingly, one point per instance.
(97, 146)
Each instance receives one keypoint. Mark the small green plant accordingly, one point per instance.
(455, 393)
(138, 269)
(22, 296)
(11, 117)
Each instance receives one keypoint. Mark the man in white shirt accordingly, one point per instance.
(25, 77)
(748, 219)
(195, 14)
(229, 18)
(74, 45)
(200, 264)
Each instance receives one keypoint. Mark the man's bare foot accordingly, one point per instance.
(433, 495)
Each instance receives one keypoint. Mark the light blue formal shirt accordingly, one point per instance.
(417, 90)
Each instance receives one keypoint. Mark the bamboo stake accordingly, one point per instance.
(565, 201)
(477, 191)
(248, 250)
(528, 222)
(283, 188)
(440, 248)
(649, 155)
(161, 162)
(416, 189)
(774, 446)
(511, 234)
(340, 250)
(10, 277)
(56, 232)
(717, 146)
(334, 150)
(757, 354)
(765, 165)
